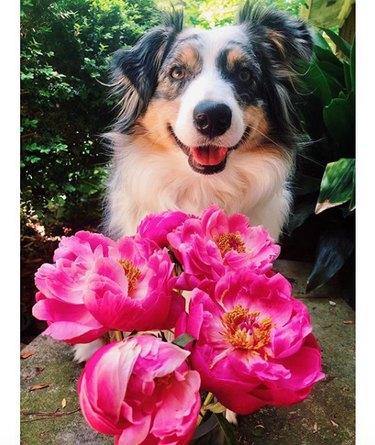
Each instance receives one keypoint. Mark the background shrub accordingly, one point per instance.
(65, 50)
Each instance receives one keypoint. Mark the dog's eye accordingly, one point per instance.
(244, 75)
(178, 72)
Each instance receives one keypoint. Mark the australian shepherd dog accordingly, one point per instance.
(206, 117)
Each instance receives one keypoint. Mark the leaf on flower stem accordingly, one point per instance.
(183, 340)
(39, 386)
(227, 429)
(215, 407)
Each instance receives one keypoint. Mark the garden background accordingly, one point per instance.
(66, 46)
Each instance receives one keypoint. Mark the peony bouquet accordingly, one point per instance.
(234, 331)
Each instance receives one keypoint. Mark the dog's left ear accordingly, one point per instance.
(284, 38)
(135, 70)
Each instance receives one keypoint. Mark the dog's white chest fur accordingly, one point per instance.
(146, 181)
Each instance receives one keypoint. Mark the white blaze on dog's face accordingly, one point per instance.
(212, 92)
(210, 97)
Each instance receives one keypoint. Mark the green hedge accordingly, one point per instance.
(65, 49)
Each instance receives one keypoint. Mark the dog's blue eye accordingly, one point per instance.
(178, 73)
(244, 75)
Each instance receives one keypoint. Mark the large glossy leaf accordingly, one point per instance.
(352, 65)
(335, 72)
(348, 76)
(314, 81)
(305, 184)
(227, 429)
(340, 43)
(339, 119)
(334, 248)
(300, 213)
(204, 429)
(321, 42)
(337, 184)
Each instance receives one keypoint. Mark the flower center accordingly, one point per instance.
(166, 381)
(230, 241)
(132, 273)
(245, 331)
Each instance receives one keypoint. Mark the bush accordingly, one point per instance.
(65, 50)
(323, 220)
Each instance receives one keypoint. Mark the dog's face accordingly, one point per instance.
(212, 92)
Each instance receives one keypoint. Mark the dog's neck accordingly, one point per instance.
(145, 180)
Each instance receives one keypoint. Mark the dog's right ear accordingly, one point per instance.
(135, 71)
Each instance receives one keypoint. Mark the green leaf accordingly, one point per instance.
(348, 76)
(340, 43)
(216, 408)
(182, 340)
(337, 184)
(315, 82)
(334, 248)
(321, 42)
(339, 120)
(352, 65)
(227, 429)
(300, 214)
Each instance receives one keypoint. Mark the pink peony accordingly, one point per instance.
(141, 391)
(254, 343)
(61, 285)
(157, 227)
(215, 243)
(133, 289)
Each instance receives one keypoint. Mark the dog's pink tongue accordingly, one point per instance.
(209, 155)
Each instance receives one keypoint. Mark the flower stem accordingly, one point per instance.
(203, 410)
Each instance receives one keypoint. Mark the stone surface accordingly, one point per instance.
(327, 417)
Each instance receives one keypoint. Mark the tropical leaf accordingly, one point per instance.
(300, 214)
(227, 429)
(334, 248)
(338, 118)
(315, 81)
(340, 43)
(337, 184)
(352, 65)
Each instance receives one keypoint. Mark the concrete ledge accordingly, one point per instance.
(327, 417)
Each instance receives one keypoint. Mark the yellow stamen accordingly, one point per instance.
(230, 241)
(244, 331)
(132, 273)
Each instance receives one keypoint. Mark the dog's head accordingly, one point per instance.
(211, 92)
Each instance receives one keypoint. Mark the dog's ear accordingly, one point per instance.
(135, 70)
(284, 38)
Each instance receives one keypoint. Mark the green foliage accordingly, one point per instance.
(337, 186)
(210, 13)
(326, 178)
(65, 49)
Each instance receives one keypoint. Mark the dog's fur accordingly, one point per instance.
(247, 67)
(156, 145)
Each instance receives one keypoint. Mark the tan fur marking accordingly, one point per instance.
(255, 118)
(278, 39)
(159, 114)
(189, 55)
(235, 55)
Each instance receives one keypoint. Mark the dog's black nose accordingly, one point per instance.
(212, 118)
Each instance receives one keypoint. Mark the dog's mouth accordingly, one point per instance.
(207, 159)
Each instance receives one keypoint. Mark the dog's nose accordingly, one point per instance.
(212, 118)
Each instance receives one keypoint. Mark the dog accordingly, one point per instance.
(206, 117)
